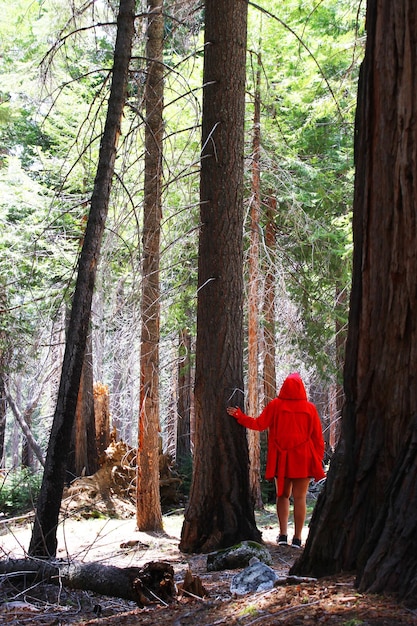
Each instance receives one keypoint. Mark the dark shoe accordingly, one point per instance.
(296, 543)
(282, 540)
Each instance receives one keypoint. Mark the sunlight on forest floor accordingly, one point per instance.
(110, 541)
(100, 538)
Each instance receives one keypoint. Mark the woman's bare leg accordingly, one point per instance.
(299, 493)
(283, 507)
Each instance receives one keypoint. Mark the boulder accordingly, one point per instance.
(237, 556)
(256, 577)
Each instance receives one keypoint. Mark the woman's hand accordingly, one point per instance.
(233, 411)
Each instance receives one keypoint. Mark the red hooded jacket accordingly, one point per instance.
(295, 439)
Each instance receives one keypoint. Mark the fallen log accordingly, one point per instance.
(154, 582)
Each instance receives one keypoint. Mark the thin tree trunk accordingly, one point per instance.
(183, 448)
(269, 370)
(3, 362)
(3, 406)
(117, 380)
(27, 450)
(219, 512)
(148, 504)
(43, 542)
(102, 417)
(23, 423)
(254, 300)
(341, 333)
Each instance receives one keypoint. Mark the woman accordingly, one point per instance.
(295, 450)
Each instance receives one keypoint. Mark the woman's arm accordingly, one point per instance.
(254, 423)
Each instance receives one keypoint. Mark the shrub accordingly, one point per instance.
(18, 491)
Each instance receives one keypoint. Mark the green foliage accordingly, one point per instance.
(53, 94)
(185, 472)
(19, 490)
(310, 62)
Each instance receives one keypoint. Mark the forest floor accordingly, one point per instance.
(115, 541)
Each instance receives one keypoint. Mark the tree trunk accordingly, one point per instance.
(254, 299)
(143, 585)
(219, 510)
(3, 406)
(183, 448)
(149, 514)
(337, 392)
(43, 542)
(83, 456)
(102, 417)
(3, 363)
(117, 383)
(269, 370)
(22, 420)
(27, 450)
(367, 517)
(269, 374)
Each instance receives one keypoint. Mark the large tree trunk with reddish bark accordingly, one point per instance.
(219, 512)
(148, 505)
(43, 542)
(367, 516)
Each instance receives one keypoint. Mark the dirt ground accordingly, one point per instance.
(327, 601)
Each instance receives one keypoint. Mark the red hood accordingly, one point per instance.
(293, 388)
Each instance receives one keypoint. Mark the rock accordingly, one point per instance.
(237, 556)
(256, 577)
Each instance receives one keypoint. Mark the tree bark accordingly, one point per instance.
(83, 456)
(219, 512)
(149, 513)
(102, 417)
(43, 542)
(374, 466)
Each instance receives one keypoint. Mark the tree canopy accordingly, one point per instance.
(55, 80)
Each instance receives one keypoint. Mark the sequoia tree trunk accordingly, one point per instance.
(43, 542)
(219, 511)
(367, 516)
